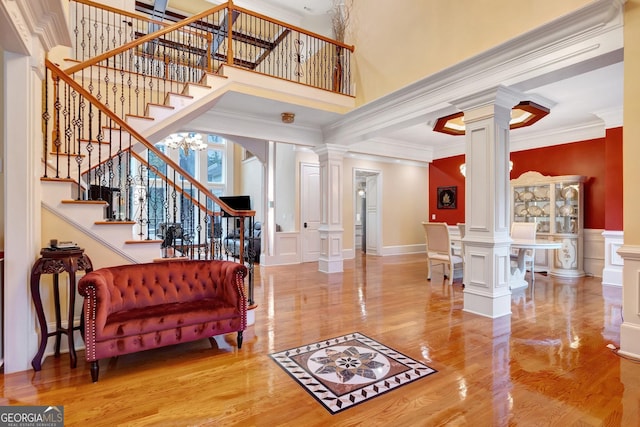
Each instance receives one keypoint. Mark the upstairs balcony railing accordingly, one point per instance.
(128, 60)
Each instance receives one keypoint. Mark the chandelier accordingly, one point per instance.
(186, 141)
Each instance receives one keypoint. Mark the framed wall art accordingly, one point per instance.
(447, 197)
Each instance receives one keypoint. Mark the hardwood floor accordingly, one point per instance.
(545, 365)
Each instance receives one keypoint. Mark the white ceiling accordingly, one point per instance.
(583, 96)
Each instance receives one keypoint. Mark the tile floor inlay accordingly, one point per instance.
(344, 371)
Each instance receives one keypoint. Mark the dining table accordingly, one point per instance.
(518, 269)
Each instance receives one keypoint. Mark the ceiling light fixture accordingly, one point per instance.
(524, 114)
(288, 117)
(463, 168)
(186, 141)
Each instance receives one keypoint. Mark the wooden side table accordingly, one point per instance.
(56, 261)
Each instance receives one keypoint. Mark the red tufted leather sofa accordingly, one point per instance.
(137, 307)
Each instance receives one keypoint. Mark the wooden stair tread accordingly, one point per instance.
(85, 202)
(133, 242)
(136, 116)
(153, 104)
(57, 153)
(114, 222)
(168, 94)
(51, 179)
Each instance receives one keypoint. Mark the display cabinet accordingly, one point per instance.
(555, 204)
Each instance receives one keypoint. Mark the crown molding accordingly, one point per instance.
(612, 117)
(48, 19)
(583, 131)
(385, 159)
(394, 149)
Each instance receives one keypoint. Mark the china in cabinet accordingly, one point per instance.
(555, 204)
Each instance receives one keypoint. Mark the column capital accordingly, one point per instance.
(331, 151)
(26, 21)
(499, 95)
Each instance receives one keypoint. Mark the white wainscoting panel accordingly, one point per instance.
(593, 252)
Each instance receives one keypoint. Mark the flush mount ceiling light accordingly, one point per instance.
(524, 114)
(288, 117)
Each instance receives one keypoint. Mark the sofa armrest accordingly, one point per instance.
(95, 288)
(231, 286)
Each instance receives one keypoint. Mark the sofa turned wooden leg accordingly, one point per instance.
(239, 339)
(94, 371)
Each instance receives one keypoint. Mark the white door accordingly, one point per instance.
(310, 212)
(372, 216)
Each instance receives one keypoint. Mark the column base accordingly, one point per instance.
(330, 266)
(492, 306)
(630, 340)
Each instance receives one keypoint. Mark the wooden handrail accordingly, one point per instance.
(83, 92)
(293, 27)
(141, 40)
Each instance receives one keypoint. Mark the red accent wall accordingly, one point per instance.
(613, 180)
(446, 173)
(598, 159)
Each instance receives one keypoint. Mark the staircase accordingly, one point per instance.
(131, 79)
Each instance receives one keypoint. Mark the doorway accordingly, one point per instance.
(367, 217)
(310, 211)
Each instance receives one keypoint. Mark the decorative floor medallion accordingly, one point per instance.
(344, 371)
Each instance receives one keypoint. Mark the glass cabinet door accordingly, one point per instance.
(532, 203)
(567, 206)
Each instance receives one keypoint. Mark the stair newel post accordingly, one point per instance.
(77, 122)
(241, 248)
(56, 141)
(209, 57)
(230, 33)
(45, 118)
(128, 182)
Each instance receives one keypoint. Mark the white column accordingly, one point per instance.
(30, 32)
(22, 148)
(487, 240)
(331, 229)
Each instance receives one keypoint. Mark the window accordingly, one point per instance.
(155, 203)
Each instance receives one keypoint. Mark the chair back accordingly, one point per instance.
(437, 235)
(523, 230)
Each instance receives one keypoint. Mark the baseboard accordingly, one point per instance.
(403, 250)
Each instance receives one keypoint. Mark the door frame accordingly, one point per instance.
(377, 226)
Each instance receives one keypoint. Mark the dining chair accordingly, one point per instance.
(525, 231)
(439, 249)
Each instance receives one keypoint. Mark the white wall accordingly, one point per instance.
(285, 187)
(252, 185)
